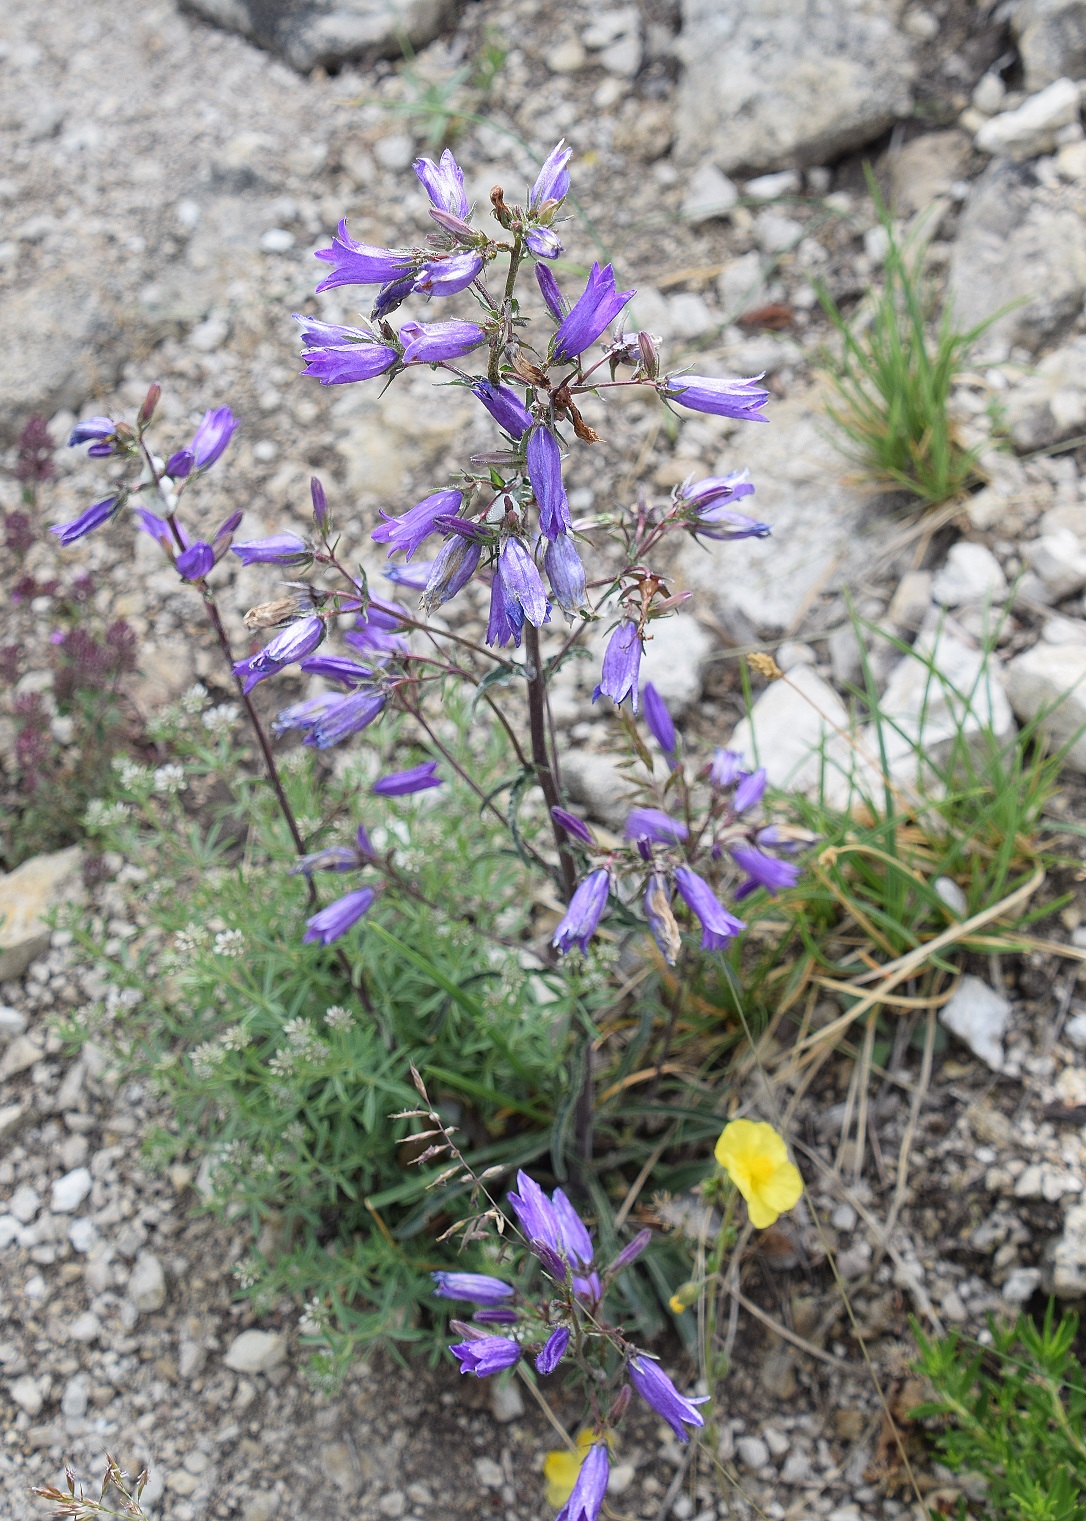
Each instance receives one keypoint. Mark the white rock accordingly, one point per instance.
(594, 779)
(1050, 404)
(277, 240)
(256, 1351)
(951, 894)
(1067, 1259)
(488, 1473)
(1075, 1031)
(623, 58)
(68, 1192)
(775, 232)
(741, 284)
(752, 1452)
(395, 152)
(85, 1328)
(567, 58)
(674, 660)
(789, 727)
(12, 1023)
(147, 1284)
(1060, 561)
(191, 1357)
(776, 1441)
(24, 1203)
(1051, 679)
(690, 316)
(74, 1400)
(1021, 1285)
(26, 1394)
(988, 94)
(710, 194)
(1051, 37)
(506, 1401)
(82, 1233)
(26, 895)
(1059, 630)
(770, 187)
(978, 1015)
(21, 1054)
(971, 574)
(843, 1218)
(1031, 129)
(9, 1231)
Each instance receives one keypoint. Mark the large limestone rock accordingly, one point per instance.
(26, 896)
(329, 32)
(789, 82)
(1017, 243)
(1050, 679)
(1050, 404)
(797, 729)
(1051, 40)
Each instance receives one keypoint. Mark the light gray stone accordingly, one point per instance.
(770, 187)
(147, 1284)
(971, 574)
(506, 1401)
(1049, 405)
(1066, 1265)
(789, 84)
(690, 316)
(68, 1192)
(256, 1352)
(1021, 1285)
(674, 660)
(595, 780)
(11, 1022)
(709, 195)
(1031, 130)
(776, 232)
(26, 895)
(752, 1452)
(1075, 1031)
(1060, 560)
(308, 33)
(741, 284)
(74, 1400)
(21, 1054)
(27, 1395)
(85, 1328)
(978, 1016)
(793, 731)
(24, 1203)
(924, 169)
(1051, 37)
(1050, 680)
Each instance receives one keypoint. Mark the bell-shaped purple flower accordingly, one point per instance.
(520, 581)
(158, 528)
(449, 273)
(345, 716)
(294, 642)
(657, 1390)
(655, 825)
(453, 569)
(554, 1350)
(575, 827)
(87, 521)
(621, 665)
(413, 576)
(552, 181)
(496, 1317)
(338, 917)
(320, 502)
(544, 243)
(556, 303)
(342, 365)
(565, 573)
(660, 722)
(479, 1288)
(590, 315)
(726, 767)
(586, 1500)
(725, 524)
(504, 406)
(432, 342)
(750, 790)
(715, 490)
(485, 1355)
(413, 527)
(337, 668)
(717, 925)
(584, 913)
(96, 431)
(741, 399)
(400, 783)
(506, 621)
(762, 871)
(378, 629)
(302, 715)
(194, 562)
(444, 183)
(278, 549)
(535, 1212)
(392, 296)
(544, 462)
(212, 436)
(359, 264)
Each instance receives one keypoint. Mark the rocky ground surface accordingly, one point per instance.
(163, 186)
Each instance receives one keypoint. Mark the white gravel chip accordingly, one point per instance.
(147, 1284)
(256, 1351)
(24, 1203)
(69, 1191)
(978, 1015)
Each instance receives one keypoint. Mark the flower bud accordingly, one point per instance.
(150, 402)
(650, 355)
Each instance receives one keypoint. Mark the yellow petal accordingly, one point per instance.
(675, 1305)
(761, 1214)
(782, 1191)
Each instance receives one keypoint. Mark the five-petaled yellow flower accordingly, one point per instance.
(756, 1159)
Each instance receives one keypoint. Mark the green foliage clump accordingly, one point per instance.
(1013, 1413)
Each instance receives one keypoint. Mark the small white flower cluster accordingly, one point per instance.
(168, 779)
(229, 943)
(188, 941)
(206, 1057)
(103, 815)
(303, 1042)
(246, 1273)
(194, 700)
(221, 719)
(236, 1038)
(311, 1320)
(338, 1018)
(132, 776)
(282, 1063)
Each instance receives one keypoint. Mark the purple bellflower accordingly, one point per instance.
(717, 925)
(479, 1288)
(725, 524)
(553, 1351)
(552, 181)
(400, 783)
(655, 825)
(392, 296)
(212, 436)
(750, 790)
(506, 621)
(359, 264)
(660, 722)
(576, 828)
(158, 528)
(535, 1212)
(96, 431)
(726, 767)
(657, 1390)
(715, 490)
(364, 359)
(449, 273)
(432, 342)
(87, 521)
(740, 399)
(544, 461)
(413, 527)
(590, 315)
(337, 668)
(763, 871)
(337, 918)
(294, 642)
(413, 576)
(444, 183)
(343, 717)
(544, 243)
(497, 1317)
(504, 406)
(278, 549)
(194, 562)
(552, 1225)
(520, 581)
(565, 573)
(556, 303)
(453, 569)
(586, 1500)
(303, 715)
(584, 913)
(484, 1355)
(621, 665)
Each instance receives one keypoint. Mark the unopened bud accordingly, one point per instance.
(150, 402)
(552, 1263)
(271, 614)
(320, 502)
(462, 231)
(684, 1296)
(632, 1251)
(621, 1405)
(650, 355)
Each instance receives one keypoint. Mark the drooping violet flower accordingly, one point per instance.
(726, 767)
(575, 827)
(479, 1288)
(544, 243)
(96, 431)
(432, 342)
(621, 665)
(584, 913)
(449, 273)
(333, 858)
(631, 1251)
(303, 715)
(520, 581)
(586, 1500)
(740, 399)
(660, 723)
(292, 643)
(725, 524)
(212, 436)
(506, 621)
(359, 263)
(544, 463)
(717, 925)
(413, 576)
(504, 406)
(553, 1351)
(400, 783)
(392, 296)
(762, 871)
(463, 527)
(337, 918)
(379, 628)
(413, 527)
(345, 716)
(556, 303)
(337, 668)
(444, 183)
(194, 562)
(750, 790)
(653, 824)
(565, 573)
(594, 311)
(552, 181)
(660, 919)
(496, 1317)
(657, 1390)
(87, 521)
(278, 549)
(158, 528)
(362, 359)
(485, 1355)
(453, 569)
(715, 490)
(535, 1212)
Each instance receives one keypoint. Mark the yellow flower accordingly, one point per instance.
(756, 1159)
(561, 1467)
(676, 1305)
(684, 1296)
